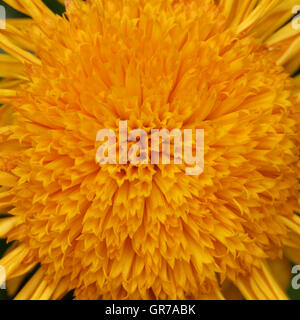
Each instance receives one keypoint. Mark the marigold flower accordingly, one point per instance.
(150, 231)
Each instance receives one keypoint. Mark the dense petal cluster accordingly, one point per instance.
(149, 231)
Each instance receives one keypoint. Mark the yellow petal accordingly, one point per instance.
(281, 270)
(6, 95)
(17, 262)
(260, 285)
(33, 8)
(20, 54)
(6, 224)
(13, 285)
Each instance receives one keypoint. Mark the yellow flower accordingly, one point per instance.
(150, 231)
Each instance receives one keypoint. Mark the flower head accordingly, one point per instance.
(149, 231)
